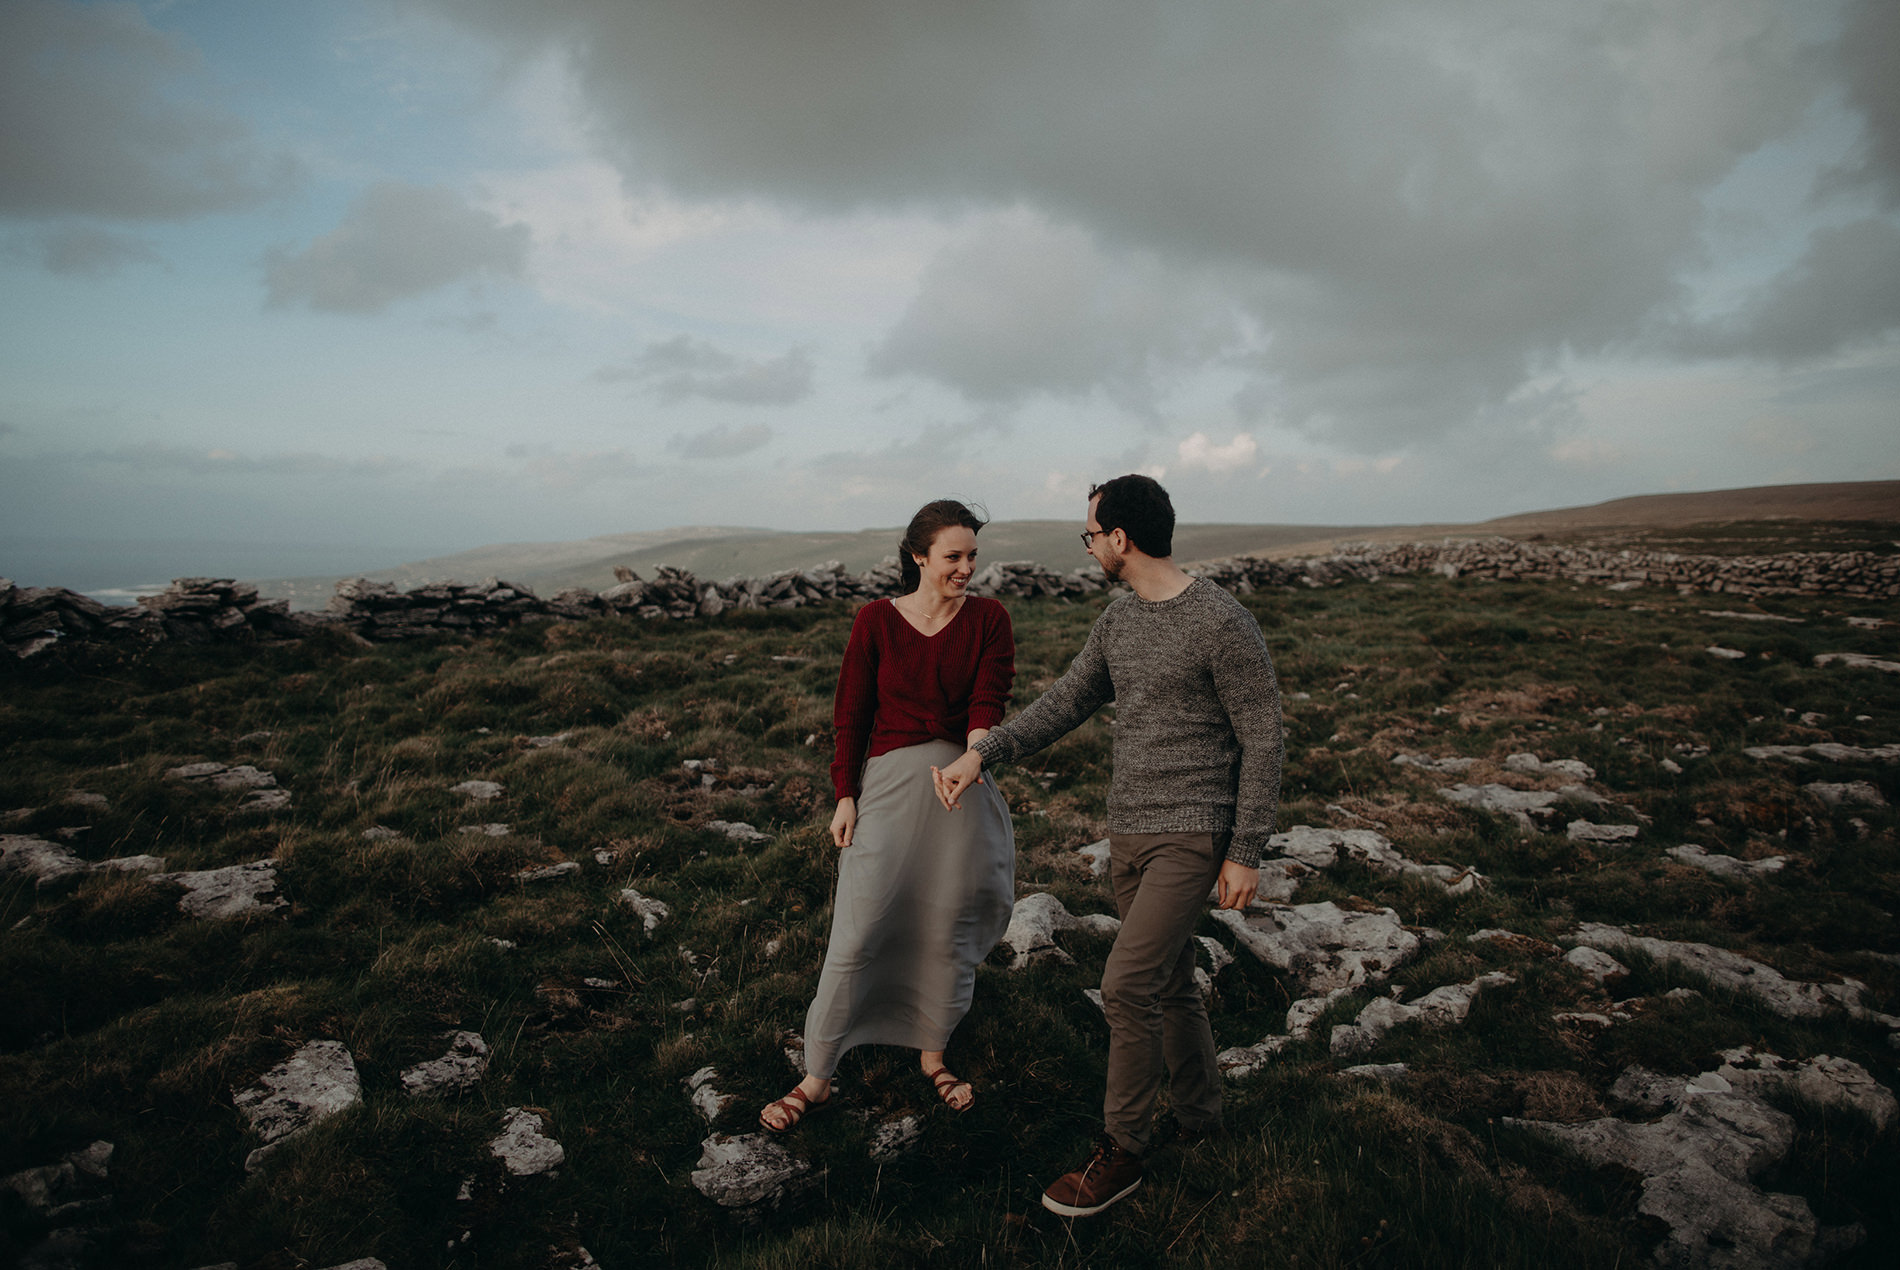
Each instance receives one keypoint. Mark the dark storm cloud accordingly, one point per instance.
(721, 442)
(1443, 194)
(398, 241)
(81, 250)
(98, 117)
(683, 367)
(1870, 54)
(1844, 291)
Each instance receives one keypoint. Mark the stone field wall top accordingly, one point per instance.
(34, 620)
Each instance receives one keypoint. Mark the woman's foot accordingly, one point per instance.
(957, 1093)
(781, 1115)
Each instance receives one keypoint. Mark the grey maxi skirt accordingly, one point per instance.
(923, 895)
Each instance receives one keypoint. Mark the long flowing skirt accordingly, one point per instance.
(923, 895)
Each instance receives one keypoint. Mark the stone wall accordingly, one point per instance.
(34, 620)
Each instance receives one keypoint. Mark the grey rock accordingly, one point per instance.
(1303, 1014)
(1575, 769)
(547, 872)
(1218, 958)
(548, 742)
(380, 833)
(1440, 1007)
(494, 829)
(315, 1083)
(1696, 1164)
(265, 800)
(1847, 793)
(84, 798)
(521, 1146)
(738, 831)
(1831, 751)
(1097, 855)
(462, 1068)
(1823, 1080)
(1241, 1062)
(1387, 1072)
(1424, 762)
(1732, 972)
(1324, 848)
(477, 791)
(236, 891)
(707, 1100)
(895, 1138)
(37, 858)
(650, 912)
(1861, 661)
(1726, 866)
(1724, 654)
(748, 1171)
(1322, 945)
(1599, 965)
(1034, 922)
(1520, 805)
(69, 1180)
(1584, 831)
(220, 776)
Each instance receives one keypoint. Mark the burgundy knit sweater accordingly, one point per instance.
(900, 687)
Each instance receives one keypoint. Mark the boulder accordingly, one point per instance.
(457, 1071)
(895, 1137)
(315, 1083)
(521, 1146)
(1725, 866)
(707, 1100)
(1440, 1007)
(748, 1171)
(1322, 945)
(1847, 793)
(1599, 965)
(1823, 1081)
(235, 891)
(1033, 925)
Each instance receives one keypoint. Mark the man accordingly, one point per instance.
(1191, 804)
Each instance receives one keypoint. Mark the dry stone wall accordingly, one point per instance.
(34, 620)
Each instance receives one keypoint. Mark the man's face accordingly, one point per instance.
(1102, 545)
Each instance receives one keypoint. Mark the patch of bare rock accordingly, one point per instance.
(523, 1146)
(262, 793)
(1726, 866)
(457, 1071)
(315, 1083)
(1034, 924)
(1304, 848)
(49, 863)
(1715, 1135)
(70, 1208)
(1525, 806)
(1832, 751)
(650, 912)
(749, 1173)
(226, 894)
(1440, 1007)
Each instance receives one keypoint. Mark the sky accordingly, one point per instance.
(306, 287)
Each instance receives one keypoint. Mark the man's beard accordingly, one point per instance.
(1112, 568)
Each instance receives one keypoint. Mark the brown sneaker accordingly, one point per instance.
(1110, 1174)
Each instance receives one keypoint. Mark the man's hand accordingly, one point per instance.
(844, 822)
(1236, 885)
(959, 776)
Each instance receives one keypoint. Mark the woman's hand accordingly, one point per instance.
(954, 779)
(844, 822)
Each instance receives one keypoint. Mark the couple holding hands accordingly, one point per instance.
(926, 875)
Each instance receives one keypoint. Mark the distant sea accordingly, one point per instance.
(118, 572)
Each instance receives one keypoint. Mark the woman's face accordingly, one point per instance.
(951, 561)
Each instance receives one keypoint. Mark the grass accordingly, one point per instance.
(122, 1019)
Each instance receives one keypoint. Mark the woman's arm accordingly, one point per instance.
(854, 707)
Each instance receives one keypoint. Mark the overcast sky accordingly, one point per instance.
(400, 277)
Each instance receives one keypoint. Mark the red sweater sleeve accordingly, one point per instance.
(995, 670)
(855, 705)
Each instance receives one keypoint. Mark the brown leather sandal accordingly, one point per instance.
(947, 1084)
(796, 1107)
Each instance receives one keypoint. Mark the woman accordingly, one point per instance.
(923, 894)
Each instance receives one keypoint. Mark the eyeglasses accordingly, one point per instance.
(1088, 537)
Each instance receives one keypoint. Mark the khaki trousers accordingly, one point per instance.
(1155, 1013)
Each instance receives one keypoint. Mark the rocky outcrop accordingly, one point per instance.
(51, 863)
(1033, 925)
(521, 1146)
(235, 891)
(1438, 1008)
(310, 1086)
(1323, 945)
(748, 1173)
(1316, 849)
(457, 1071)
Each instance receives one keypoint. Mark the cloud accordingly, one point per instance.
(683, 367)
(1587, 452)
(1418, 206)
(101, 115)
(1870, 57)
(1843, 291)
(1199, 451)
(721, 442)
(398, 241)
(149, 455)
(568, 471)
(82, 250)
(1021, 306)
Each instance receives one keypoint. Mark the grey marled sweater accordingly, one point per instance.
(1198, 744)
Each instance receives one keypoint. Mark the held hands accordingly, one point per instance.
(844, 822)
(1236, 885)
(951, 781)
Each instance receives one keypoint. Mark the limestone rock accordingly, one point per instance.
(1530, 764)
(895, 1138)
(1424, 762)
(1520, 805)
(1847, 793)
(1218, 958)
(707, 1100)
(1584, 831)
(380, 833)
(1859, 661)
(737, 831)
(1303, 1014)
(1322, 945)
(1731, 971)
(548, 872)
(1387, 1072)
(265, 800)
(1097, 855)
(650, 912)
(1511, 941)
(1323, 848)
(477, 791)
(523, 1149)
(462, 1068)
(1726, 866)
(747, 1171)
(1696, 1164)
(235, 891)
(1440, 1007)
(219, 776)
(310, 1086)
(1725, 654)
(1599, 965)
(1240, 1062)
(1033, 924)
(37, 858)
(1822, 1080)
(494, 829)
(70, 1180)
(1832, 751)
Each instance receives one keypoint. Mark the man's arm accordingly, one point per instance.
(1083, 689)
(1248, 690)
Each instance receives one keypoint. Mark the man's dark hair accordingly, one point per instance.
(1140, 508)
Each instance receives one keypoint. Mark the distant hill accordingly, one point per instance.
(716, 552)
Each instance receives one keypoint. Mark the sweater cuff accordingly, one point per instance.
(995, 748)
(1246, 850)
